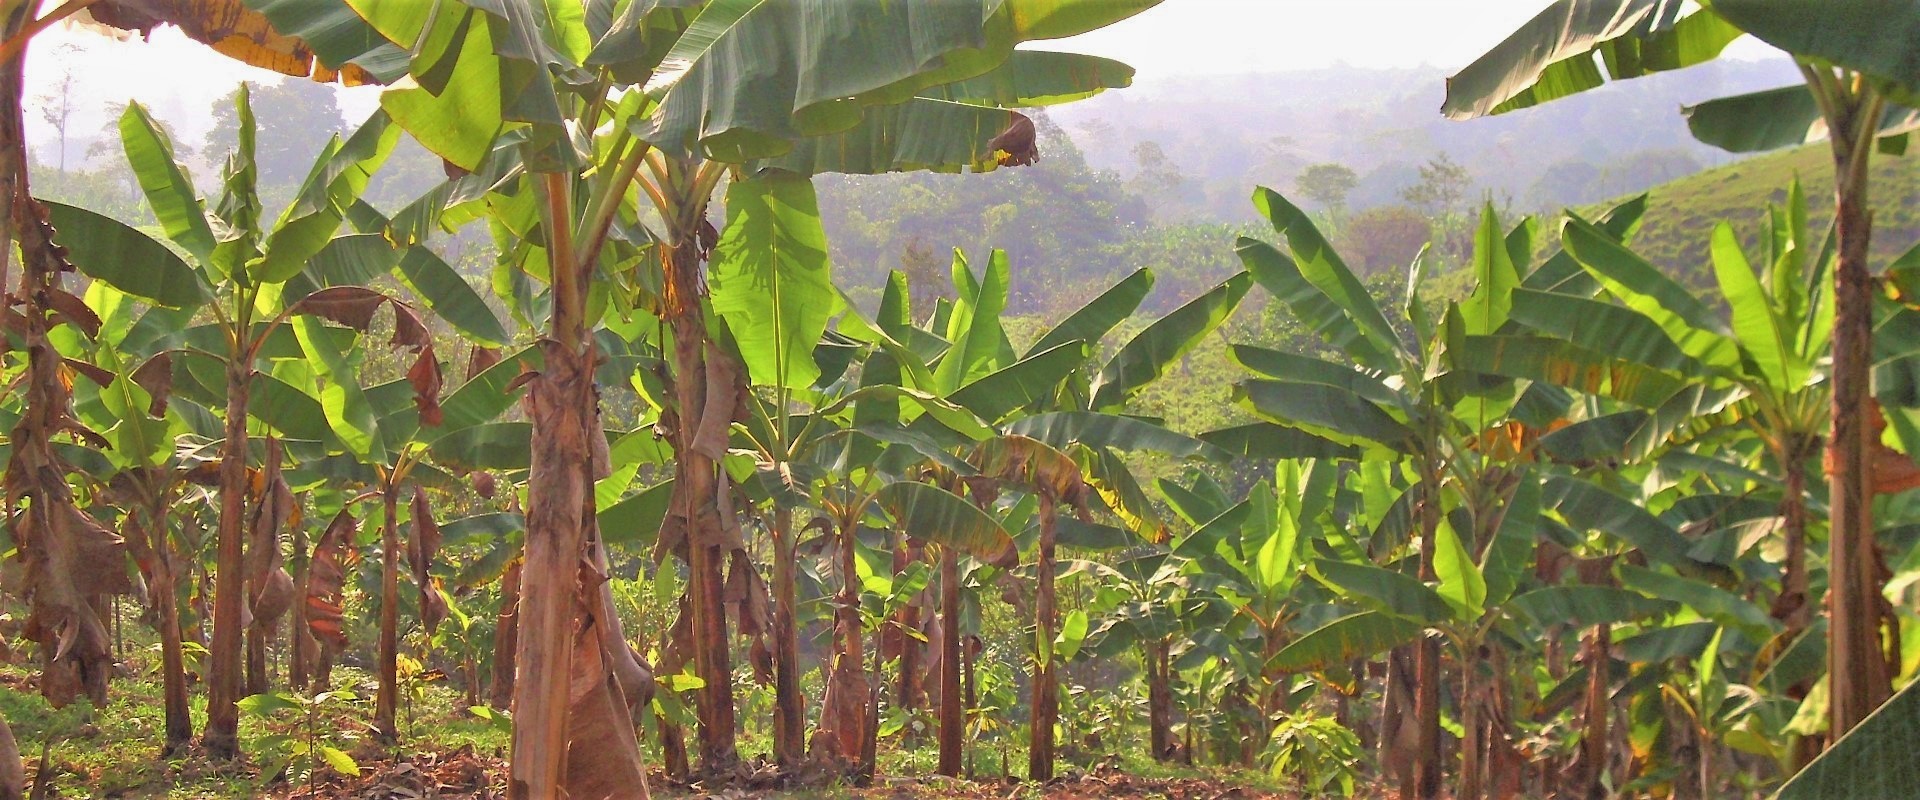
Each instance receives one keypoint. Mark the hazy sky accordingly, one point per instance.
(179, 79)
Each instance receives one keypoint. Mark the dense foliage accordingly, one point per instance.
(1410, 497)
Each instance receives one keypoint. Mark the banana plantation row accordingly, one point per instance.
(1547, 537)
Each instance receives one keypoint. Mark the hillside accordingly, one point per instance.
(1681, 214)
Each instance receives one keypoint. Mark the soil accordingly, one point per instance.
(465, 774)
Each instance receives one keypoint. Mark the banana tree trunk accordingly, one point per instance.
(388, 696)
(229, 573)
(506, 634)
(173, 667)
(1792, 607)
(572, 736)
(1424, 773)
(1046, 695)
(697, 488)
(907, 686)
(300, 640)
(146, 537)
(1473, 743)
(843, 713)
(1159, 700)
(789, 712)
(1856, 657)
(1598, 705)
(953, 717)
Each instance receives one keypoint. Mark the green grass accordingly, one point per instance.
(1681, 215)
(114, 751)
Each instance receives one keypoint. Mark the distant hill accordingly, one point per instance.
(1681, 214)
(1224, 134)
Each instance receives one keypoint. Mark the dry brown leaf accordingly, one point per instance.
(156, 377)
(424, 376)
(326, 575)
(421, 549)
(230, 28)
(480, 359)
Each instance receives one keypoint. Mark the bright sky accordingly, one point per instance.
(179, 79)
(1212, 37)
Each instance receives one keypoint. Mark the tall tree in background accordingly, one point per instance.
(56, 102)
(1443, 185)
(295, 120)
(1328, 185)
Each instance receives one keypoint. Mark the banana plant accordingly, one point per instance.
(1855, 93)
(246, 274)
(1753, 372)
(1421, 393)
(710, 84)
(154, 455)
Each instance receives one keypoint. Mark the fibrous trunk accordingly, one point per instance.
(506, 632)
(145, 531)
(1046, 696)
(907, 648)
(1856, 656)
(705, 411)
(789, 720)
(1159, 700)
(572, 734)
(1424, 775)
(953, 717)
(1593, 738)
(388, 695)
(223, 655)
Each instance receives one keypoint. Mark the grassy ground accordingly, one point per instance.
(1681, 215)
(114, 752)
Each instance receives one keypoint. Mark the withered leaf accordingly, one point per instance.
(333, 555)
(480, 360)
(425, 378)
(74, 311)
(352, 306)
(100, 377)
(156, 377)
(421, 549)
(231, 28)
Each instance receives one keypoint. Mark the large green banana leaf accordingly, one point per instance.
(1093, 320)
(1094, 429)
(1552, 55)
(933, 514)
(108, 250)
(750, 77)
(1145, 357)
(1387, 591)
(169, 192)
(1318, 286)
(1327, 411)
(1343, 640)
(1872, 36)
(1021, 383)
(1582, 606)
(1774, 118)
(1874, 759)
(771, 280)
